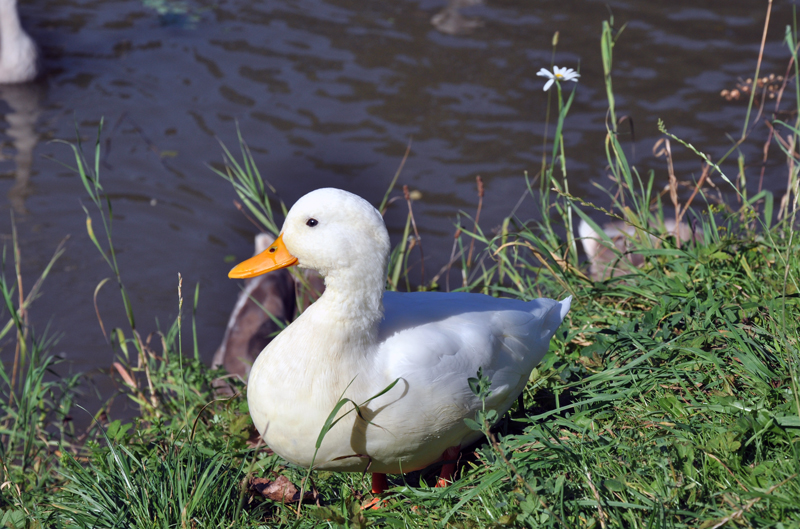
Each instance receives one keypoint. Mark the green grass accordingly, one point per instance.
(670, 396)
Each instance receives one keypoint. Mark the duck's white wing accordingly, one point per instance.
(436, 342)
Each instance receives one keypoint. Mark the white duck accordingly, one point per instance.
(17, 49)
(356, 340)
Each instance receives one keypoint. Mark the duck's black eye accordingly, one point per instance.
(311, 223)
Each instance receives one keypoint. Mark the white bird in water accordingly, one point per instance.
(17, 50)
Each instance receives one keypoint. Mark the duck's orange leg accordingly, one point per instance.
(448, 469)
(379, 483)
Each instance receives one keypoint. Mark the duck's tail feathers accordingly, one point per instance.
(554, 316)
(565, 303)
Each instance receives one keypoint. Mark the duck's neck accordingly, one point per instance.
(354, 298)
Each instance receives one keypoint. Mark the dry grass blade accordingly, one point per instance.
(97, 309)
(418, 240)
(479, 182)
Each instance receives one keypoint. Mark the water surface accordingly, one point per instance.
(330, 93)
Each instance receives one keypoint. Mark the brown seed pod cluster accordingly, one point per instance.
(770, 84)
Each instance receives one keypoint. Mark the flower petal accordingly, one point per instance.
(544, 72)
(548, 84)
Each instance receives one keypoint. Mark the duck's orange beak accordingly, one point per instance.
(273, 258)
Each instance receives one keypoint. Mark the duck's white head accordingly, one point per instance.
(337, 233)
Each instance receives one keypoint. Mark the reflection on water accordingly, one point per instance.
(23, 112)
(329, 93)
(450, 21)
(173, 12)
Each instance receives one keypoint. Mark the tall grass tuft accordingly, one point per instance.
(184, 461)
(35, 404)
(137, 485)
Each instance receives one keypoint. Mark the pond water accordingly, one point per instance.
(330, 93)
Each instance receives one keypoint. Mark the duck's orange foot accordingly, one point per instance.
(449, 468)
(379, 486)
(374, 503)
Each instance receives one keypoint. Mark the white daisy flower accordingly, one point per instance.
(558, 74)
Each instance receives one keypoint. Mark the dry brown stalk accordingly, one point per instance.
(477, 219)
(145, 362)
(255, 223)
(600, 513)
(97, 309)
(697, 188)
(22, 336)
(738, 514)
(718, 460)
(758, 64)
(417, 237)
(666, 151)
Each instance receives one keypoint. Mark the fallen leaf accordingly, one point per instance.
(281, 490)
